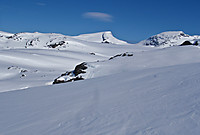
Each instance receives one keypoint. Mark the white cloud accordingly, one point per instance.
(41, 4)
(98, 16)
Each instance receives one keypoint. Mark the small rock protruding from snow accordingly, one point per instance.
(196, 43)
(71, 76)
(122, 55)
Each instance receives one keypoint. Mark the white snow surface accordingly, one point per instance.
(154, 92)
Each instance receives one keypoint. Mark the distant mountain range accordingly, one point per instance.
(53, 40)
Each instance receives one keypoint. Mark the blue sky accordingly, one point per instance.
(130, 20)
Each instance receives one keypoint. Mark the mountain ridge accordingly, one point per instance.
(54, 40)
(171, 38)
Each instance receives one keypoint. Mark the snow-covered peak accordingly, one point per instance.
(172, 33)
(54, 40)
(4, 34)
(170, 38)
(101, 37)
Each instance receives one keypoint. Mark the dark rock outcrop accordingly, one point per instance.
(92, 53)
(196, 43)
(57, 81)
(186, 43)
(106, 42)
(79, 69)
(32, 42)
(104, 39)
(71, 76)
(121, 55)
(56, 44)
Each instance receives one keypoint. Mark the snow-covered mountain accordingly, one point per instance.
(171, 38)
(123, 89)
(101, 37)
(53, 40)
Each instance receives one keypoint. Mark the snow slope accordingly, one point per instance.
(151, 101)
(149, 90)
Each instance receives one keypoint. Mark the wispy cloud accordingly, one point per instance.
(98, 16)
(41, 4)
